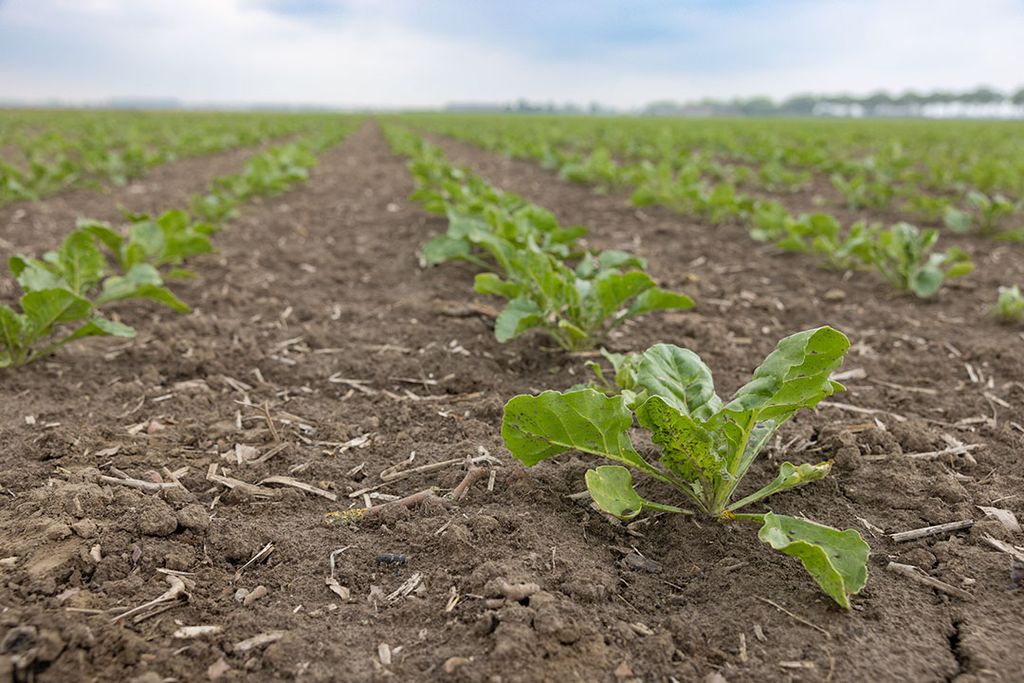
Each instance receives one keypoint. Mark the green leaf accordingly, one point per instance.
(142, 281)
(793, 376)
(48, 307)
(610, 292)
(678, 376)
(444, 248)
(490, 283)
(34, 275)
(174, 221)
(12, 328)
(608, 260)
(689, 448)
(82, 264)
(956, 220)
(960, 269)
(790, 476)
(611, 487)
(613, 258)
(145, 242)
(536, 428)
(102, 232)
(519, 315)
(836, 560)
(926, 281)
(99, 327)
(657, 299)
(184, 246)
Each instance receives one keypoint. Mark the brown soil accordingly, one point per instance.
(322, 283)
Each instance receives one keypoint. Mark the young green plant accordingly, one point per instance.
(63, 294)
(578, 306)
(905, 256)
(1010, 304)
(706, 446)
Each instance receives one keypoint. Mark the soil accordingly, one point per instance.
(315, 326)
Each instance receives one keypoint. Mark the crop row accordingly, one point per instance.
(872, 164)
(707, 445)
(906, 256)
(44, 152)
(65, 292)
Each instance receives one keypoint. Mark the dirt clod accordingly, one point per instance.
(156, 518)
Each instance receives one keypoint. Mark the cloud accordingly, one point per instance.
(412, 53)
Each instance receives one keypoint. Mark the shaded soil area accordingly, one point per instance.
(319, 350)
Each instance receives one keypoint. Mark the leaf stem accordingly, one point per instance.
(743, 517)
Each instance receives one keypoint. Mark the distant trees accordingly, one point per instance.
(879, 103)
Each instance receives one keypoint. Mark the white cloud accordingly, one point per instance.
(371, 54)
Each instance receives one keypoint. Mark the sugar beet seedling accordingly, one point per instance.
(707, 446)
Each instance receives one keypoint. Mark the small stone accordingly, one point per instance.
(623, 671)
(637, 562)
(516, 592)
(180, 557)
(847, 458)
(241, 594)
(194, 517)
(85, 528)
(453, 663)
(834, 295)
(177, 497)
(148, 677)
(257, 593)
(57, 531)
(217, 670)
(156, 518)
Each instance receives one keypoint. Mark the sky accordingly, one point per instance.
(425, 53)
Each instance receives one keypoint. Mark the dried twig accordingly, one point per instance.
(232, 483)
(270, 422)
(174, 593)
(952, 450)
(394, 473)
(797, 617)
(268, 455)
(369, 512)
(407, 587)
(357, 384)
(257, 641)
(917, 574)
(1003, 546)
(857, 409)
(261, 554)
(302, 486)
(901, 387)
(199, 631)
(472, 474)
(923, 532)
(139, 483)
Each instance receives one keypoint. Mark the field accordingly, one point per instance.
(284, 451)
